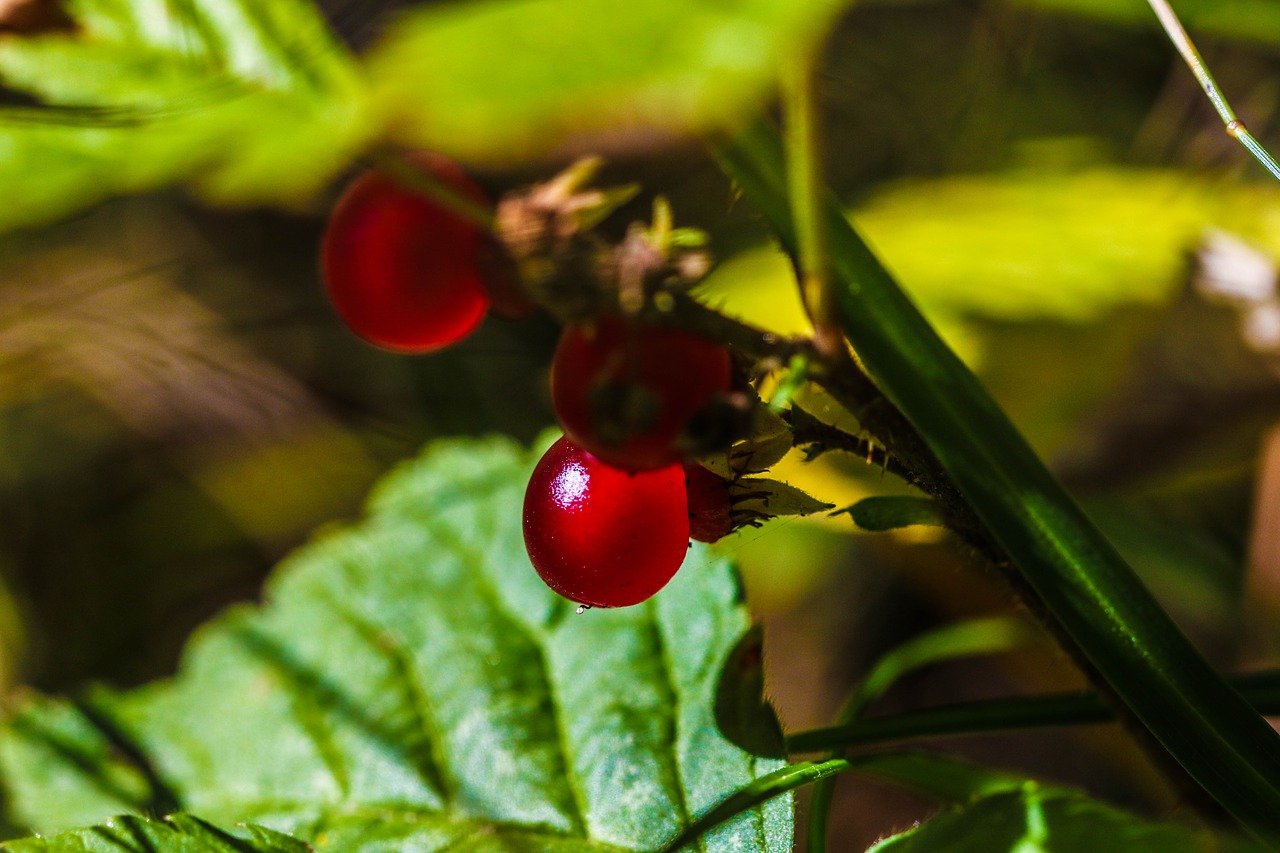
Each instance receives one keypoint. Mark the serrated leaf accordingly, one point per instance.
(178, 833)
(1036, 819)
(248, 102)
(880, 513)
(506, 82)
(412, 684)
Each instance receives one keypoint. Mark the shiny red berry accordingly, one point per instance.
(602, 536)
(710, 516)
(403, 271)
(628, 392)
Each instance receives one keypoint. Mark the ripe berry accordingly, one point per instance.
(602, 536)
(402, 270)
(628, 392)
(710, 516)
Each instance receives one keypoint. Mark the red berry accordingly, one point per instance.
(710, 518)
(626, 391)
(402, 270)
(602, 536)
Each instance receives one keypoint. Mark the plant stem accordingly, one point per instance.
(804, 181)
(977, 637)
(1261, 690)
(1084, 583)
(1178, 35)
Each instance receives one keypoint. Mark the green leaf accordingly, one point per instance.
(937, 775)
(1035, 819)
(761, 790)
(249, 102)
(974, 637)
(1031, 244)
(411, 684)
(1083, 582)
(890, 512)
(506, 82)
(179, 833)
(928, 773)
(1261, 690)
(1252, 20)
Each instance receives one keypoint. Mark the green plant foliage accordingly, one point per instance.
(504, 82)
(1035, 819)
(411, 684)
(1083, 582)
(247, 101)
(1254, 20)
(890, 512)
(183, 833)
(1031, 245)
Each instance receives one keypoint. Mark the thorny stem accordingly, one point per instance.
(854, 390)
(818, 437)
(1178, 35)
(997, 715)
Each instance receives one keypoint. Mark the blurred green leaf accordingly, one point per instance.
(249, 102)
(1252, 20)
(506, 82)
(411, 683)
(1030, 245)
(944, 777)
(1038, 819)
(177, 833)
(941, 777)
(890, 512)
(964, 639)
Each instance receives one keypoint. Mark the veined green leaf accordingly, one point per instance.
(248, 102)
(128, 834)
(412, 684)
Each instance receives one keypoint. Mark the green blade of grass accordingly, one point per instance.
(765, 788)
(934, 775)
(1090, 591)
(1261, 690)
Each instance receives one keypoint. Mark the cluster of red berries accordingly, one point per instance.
(610, 507)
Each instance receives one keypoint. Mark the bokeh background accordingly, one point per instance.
(179, 408)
